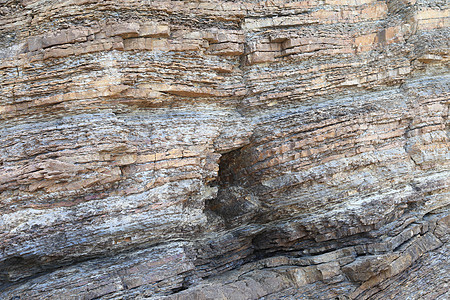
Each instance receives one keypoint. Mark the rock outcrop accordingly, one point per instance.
(224, 149)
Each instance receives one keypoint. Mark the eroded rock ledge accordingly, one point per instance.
(224, 149)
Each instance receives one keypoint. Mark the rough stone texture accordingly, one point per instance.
(224, 149)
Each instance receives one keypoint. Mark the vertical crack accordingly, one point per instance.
(234, 203)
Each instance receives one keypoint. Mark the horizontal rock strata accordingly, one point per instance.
(224, 149)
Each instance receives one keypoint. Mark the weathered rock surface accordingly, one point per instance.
(224, 149)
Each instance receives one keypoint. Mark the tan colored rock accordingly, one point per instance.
(154, 30)
(124, 30)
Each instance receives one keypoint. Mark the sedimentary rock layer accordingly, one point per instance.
(224, 149)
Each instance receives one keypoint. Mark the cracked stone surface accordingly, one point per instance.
(224, 149)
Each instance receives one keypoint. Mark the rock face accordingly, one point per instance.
(224, 149)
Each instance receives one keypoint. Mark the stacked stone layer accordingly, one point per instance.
(224, 149)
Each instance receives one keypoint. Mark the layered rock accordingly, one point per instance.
(224, 150)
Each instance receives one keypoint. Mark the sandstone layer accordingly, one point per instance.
(224, 149)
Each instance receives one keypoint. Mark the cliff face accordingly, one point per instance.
(224, 149)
